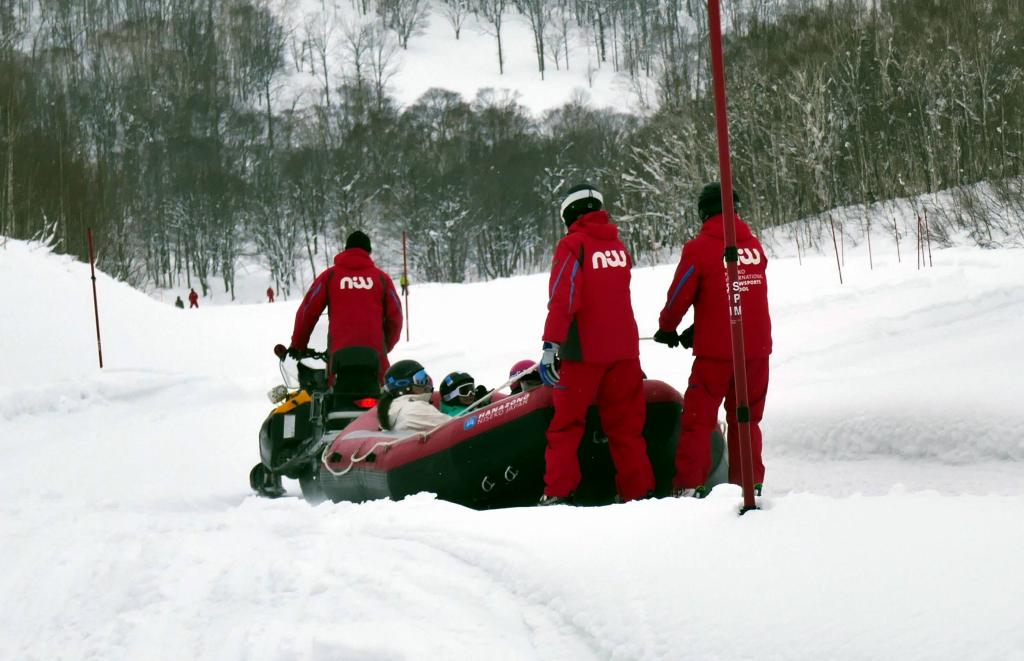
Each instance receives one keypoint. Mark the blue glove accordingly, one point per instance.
(548, 368)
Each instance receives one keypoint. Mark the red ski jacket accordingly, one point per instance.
(589, 310)
(362, 306)
(700, 281)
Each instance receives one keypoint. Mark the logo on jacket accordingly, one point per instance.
(358, 282)
(609, 259)
(749, 256)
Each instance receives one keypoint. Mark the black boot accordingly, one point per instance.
(554, 500)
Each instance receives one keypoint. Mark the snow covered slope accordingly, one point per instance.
(891, 528)
(466, 65)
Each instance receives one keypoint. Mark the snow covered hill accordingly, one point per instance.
(466, 65)
(890, 529)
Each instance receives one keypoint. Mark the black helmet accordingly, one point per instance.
(578, 200)
(358, 239)
(403, 375)
(709, 202)
(455, 385)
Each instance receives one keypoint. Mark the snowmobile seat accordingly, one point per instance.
(311, 378)
(356, 375)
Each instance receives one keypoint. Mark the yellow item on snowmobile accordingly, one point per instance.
(295, 400)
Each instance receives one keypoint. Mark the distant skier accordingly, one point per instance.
(193, 299)
(404, 282)
(178, 303)
(270, 295)
(591, 331)
(362, 305)
(700, 281)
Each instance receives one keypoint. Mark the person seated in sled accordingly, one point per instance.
(529, 380)
(458, 392)
(404, 403)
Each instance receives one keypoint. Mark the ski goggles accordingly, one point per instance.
(420, 378)
(464, 390)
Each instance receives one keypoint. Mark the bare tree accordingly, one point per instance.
(559, 34)
(322, 38)
(408, 18)
(381, 59)
(493, 13)
(537, 13)
(356, 44)
(456, 12)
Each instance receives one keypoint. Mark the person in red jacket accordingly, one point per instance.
(270, 294)
(193, 298)
(362, 305)
(700, 281)
(591, 352)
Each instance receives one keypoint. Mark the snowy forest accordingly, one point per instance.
(163, 126)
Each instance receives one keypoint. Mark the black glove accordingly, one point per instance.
(686, 337)
(480, 393)
(667, 337)
(296, 354)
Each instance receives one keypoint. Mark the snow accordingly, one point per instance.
(891, 525)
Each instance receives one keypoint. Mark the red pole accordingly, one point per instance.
(928, 236)
(405, 279)
(835, 247)
(95, 303)
(739, 358)
(896, 231)
(920, 243)
(842, 242)
(871, 258)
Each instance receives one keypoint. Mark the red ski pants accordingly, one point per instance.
(618, 389)
(711, 381)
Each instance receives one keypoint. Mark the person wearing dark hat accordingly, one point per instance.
(699, 281)
(591, 352)
(363, 308)
(404, 402)
(458, 391)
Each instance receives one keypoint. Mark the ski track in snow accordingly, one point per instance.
(890, 529)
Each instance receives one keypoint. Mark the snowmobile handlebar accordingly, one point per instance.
(281, 351)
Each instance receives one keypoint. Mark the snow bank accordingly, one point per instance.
(807, 578)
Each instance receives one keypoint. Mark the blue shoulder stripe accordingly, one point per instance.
(572, 283)
(554, 288)
(682, 281)
(310, 297)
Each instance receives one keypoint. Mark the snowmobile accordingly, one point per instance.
(308, 414)
(328, 438)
